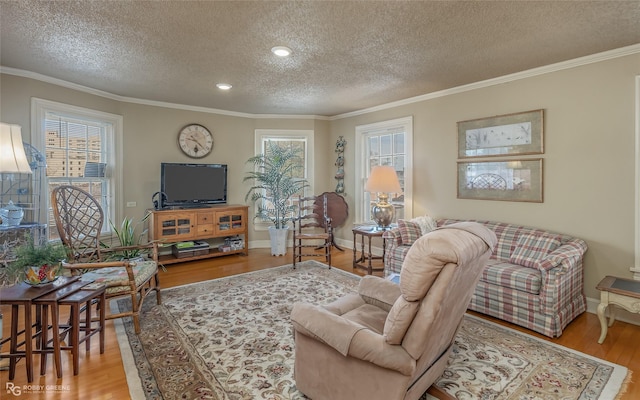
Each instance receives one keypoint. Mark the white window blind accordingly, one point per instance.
(79, 146)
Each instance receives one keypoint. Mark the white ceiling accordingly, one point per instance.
(347, 55)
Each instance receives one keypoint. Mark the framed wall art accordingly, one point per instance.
(502, 135)
(506, 180)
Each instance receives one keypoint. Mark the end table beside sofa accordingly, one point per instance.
(533, 279)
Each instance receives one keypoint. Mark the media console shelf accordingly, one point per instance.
(179, 225)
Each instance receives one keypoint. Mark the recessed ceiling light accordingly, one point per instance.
(224, 86)
(281, 51)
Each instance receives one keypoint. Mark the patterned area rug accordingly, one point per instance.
(231, 338)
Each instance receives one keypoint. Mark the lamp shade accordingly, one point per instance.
(13, 160)
(383, 179)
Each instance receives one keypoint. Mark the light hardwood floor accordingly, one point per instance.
(102, 376)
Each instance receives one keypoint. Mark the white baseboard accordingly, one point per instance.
(621, 314)
(346, 245)
(259, 244)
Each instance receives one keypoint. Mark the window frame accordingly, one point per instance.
(114, 157)
(362, 133)
(261, 136)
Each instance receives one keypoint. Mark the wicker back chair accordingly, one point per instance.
(79, 220)
(312, 231)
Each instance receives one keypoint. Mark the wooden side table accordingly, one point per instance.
(22, 295)
(80, 302)
(364, 261)
(49, 304)
(621, 292)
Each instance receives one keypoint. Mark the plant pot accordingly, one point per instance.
(278, 240)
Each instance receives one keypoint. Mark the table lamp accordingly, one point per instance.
(13, 160)
(383, 180)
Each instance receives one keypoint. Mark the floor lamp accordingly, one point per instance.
(383, 180)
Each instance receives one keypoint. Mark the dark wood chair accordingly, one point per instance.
(79, 220)
(312, 231)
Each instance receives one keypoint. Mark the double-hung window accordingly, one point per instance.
(384, 143)
(79, 147)
(300, 141)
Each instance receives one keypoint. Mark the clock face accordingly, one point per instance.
(195, 140)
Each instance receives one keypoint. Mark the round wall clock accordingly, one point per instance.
(195, 140)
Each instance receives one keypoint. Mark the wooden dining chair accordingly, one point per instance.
(312, 231)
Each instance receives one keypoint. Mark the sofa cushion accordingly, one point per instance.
(512, 276)
(533, 247)
(426, 223)
(409, 231)
(116, 278)
(505, 233)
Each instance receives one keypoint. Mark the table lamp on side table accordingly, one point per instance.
(383, 180)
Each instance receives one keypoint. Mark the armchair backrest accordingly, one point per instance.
(437, 281)
(79, 220)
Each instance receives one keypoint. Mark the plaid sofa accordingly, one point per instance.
(533, 279)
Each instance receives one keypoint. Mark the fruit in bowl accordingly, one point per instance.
(41, 275)
(31, 256)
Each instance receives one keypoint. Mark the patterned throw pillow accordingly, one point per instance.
(533, 247)
(426, 223)
(409, 232)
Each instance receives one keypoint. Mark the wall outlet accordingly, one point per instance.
(131, 203)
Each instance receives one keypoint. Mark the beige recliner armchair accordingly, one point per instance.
(392, 341)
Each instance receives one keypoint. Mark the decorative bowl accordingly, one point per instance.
(41, 283)
(39, 276)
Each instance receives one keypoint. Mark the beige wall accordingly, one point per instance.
(589, 177)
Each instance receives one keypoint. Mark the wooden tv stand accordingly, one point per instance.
(179, 225)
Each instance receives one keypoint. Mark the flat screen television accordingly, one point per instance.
(193, 185)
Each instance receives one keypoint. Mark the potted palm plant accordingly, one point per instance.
(276, 180)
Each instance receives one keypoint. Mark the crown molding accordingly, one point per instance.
(577, 62)
(133, 100)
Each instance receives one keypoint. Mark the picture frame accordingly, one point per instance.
(503, 180)
(502, 135)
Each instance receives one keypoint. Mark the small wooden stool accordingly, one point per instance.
(49, 305)
(621, 292)
(84, 297)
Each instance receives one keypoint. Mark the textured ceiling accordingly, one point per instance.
(347, 55)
